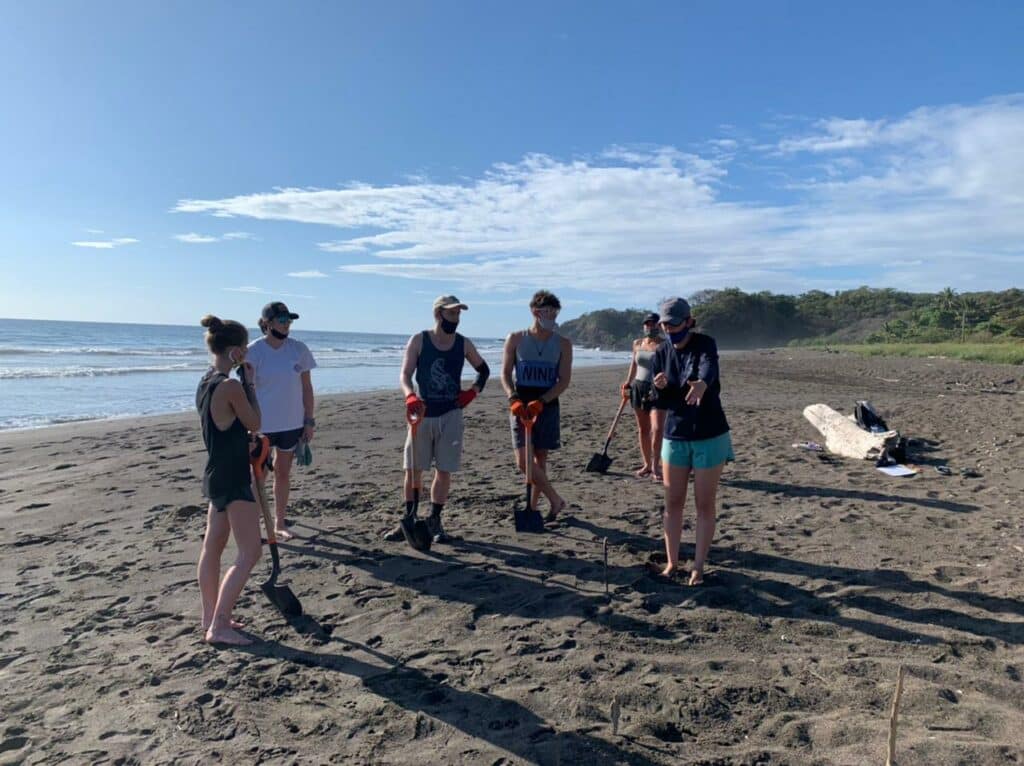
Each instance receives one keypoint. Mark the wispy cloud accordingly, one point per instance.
(263, 291)
(851, 199)
(312, 274)
(193, 238)
(106, 244)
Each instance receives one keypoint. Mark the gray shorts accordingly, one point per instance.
(438, 443)
(547, 430)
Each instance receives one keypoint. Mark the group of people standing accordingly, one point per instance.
(672, 383)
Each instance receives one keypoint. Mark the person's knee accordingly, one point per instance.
(248, 557)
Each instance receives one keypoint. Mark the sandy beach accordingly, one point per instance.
(824, 578)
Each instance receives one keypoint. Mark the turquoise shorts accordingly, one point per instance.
(704, 453)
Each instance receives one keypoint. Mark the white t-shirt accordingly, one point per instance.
(279, 383)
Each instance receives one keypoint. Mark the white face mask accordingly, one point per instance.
(547, 324)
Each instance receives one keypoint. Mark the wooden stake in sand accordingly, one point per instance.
(893, 716)
(606, 567)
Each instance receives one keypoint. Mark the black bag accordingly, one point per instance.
(867, 418)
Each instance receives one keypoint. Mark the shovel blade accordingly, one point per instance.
(282, 597)
(417, 534)
(528, 521)
(599, 463)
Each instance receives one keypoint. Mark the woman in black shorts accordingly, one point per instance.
(637, 389)
(226, 417)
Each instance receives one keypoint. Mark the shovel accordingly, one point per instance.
(414, 529)
(599, 461)
(280, 596)
(529, 519)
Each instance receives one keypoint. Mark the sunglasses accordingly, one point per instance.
(283, 319)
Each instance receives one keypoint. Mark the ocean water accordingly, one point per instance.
(60, 372)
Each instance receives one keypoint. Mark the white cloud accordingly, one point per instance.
(928, 191)
(202, 239)
(195, 239)
(262, 291)
(106, 244)
(312, 274)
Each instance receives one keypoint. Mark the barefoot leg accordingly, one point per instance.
(282, 486)
(244, 520)
(208, 571)
(676, 483)
(705, 492)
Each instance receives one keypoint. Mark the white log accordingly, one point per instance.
(844, 437)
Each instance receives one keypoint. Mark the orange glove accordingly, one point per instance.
(414, 406)
(465, 397)
(534, 408)
(625, 390)
(518, 409)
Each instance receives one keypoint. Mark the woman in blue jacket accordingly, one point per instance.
(696, 438)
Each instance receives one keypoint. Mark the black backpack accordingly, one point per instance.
(867, 418)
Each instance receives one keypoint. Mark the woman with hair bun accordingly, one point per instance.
(227, 417)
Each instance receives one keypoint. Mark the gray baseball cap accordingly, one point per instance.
(674, 311)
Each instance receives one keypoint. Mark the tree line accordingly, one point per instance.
(738, 319)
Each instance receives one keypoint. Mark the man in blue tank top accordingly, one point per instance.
(436, 358)
(536, 369)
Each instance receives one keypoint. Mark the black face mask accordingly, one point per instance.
(278, 335)
(448, 327)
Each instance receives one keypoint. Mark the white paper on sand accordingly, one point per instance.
(896, 470)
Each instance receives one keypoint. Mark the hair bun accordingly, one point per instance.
(211, 322)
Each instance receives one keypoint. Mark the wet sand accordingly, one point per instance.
(824, 578)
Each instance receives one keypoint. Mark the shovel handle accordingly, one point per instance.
(615, 422)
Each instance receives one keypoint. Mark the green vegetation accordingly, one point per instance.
(869, 316)
(994, 353)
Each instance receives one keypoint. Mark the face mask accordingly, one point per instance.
(278, 335)
(678, 337)
(448, 327)
(547, 324)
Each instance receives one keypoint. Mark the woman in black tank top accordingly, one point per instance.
(226, 418)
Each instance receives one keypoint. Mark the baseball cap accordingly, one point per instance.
(449, 302)
(652, 317)
(275, 309)
(674, 311)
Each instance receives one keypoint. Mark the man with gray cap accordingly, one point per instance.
(696, 438)
(436, 357)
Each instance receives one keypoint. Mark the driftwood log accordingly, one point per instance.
(844, 437)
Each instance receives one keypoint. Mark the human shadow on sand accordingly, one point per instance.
(503, 723)
(485, 587)
(803, 490)
(846, 588)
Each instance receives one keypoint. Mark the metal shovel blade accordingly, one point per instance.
(528, 520)
(599, 463)
(282, 597)
(417, 533)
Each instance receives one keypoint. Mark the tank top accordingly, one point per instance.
(227, 463)
(643, 364)
(536, 367)
(439, 375)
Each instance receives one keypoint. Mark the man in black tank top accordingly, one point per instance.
(436, 358)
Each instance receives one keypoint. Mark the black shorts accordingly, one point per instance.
(640, 395)
(547, 431)
(285, 440)
(222, 500)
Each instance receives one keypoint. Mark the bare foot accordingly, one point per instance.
(555, 510)
(656, 475)
(227, 636)
(234, 624)
(645, 471)
(283, 535)
(696, 577)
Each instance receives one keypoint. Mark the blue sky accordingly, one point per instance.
(161, 161)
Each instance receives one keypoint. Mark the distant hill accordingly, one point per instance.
(866, 315)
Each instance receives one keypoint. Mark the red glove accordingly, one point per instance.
(534, 408)
(625, 390)
(414, 406)
(465, 397)
(518, 409)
